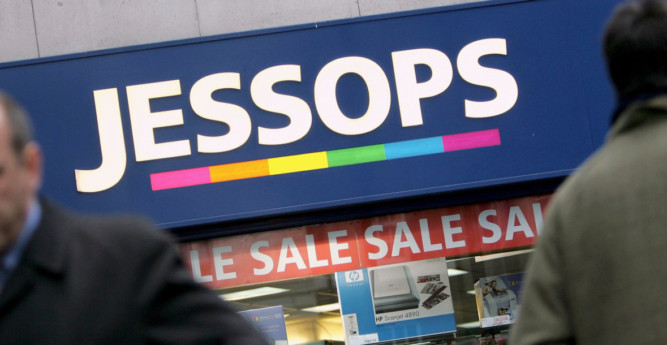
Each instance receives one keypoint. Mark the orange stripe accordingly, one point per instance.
(238, 171)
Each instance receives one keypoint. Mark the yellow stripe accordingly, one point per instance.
(296, 163)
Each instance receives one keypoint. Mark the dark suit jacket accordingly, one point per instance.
(117, 281)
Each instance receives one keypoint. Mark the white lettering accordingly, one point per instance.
(450, 231)
(426, 237)
(203, 104)
(312, 253)
(517, 215)
(196, 268)
(335, 248)
(409, 91)
(378, 93)
(289, 247)
(236, 124)
(294, 108)
(144, 121)
(507, 91)
(383, 249)
(220, 263)
(410, 242)
(261, 257)
(112, 145)
(488, 225)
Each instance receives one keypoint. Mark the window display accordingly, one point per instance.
(313, 315)
(498, 299)
(437, 276)
(394, 302)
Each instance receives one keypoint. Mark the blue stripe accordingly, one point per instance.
(412, 148)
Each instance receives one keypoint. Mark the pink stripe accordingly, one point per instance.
(180, 178)
(471, 140)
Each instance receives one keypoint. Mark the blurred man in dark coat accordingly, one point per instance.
(70, 279)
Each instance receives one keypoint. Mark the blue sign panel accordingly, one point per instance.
(270, 321)
(316, 116)
(395, 302)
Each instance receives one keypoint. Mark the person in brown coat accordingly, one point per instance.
(596, 275)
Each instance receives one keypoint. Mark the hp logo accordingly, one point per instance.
(354, 276)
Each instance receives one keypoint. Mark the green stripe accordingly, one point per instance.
(356, 155)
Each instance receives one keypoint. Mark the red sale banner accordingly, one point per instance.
(343, 246)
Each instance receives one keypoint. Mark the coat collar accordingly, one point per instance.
(623, 103)
(637, 113)
(44, 256)
(47, 250)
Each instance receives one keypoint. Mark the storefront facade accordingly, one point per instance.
(322, 158)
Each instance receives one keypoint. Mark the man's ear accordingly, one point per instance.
(32, 162)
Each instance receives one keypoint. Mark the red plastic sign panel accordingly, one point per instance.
(343, 246)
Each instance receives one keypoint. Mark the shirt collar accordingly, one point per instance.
(14, 254)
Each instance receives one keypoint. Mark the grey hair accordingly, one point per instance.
(19, 122)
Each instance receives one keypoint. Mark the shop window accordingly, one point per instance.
(439, 276)
(312, 314)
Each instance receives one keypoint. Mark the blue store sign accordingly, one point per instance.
(315, 116)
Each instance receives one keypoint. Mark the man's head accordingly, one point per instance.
(20, 169)
(635, 47)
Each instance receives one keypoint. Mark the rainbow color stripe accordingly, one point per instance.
(323, 159)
